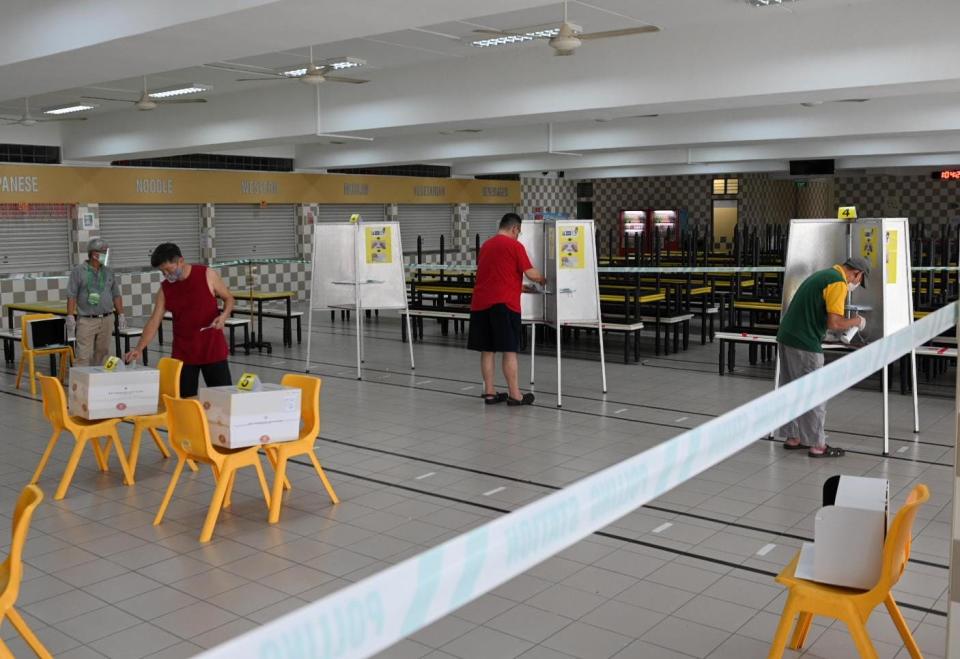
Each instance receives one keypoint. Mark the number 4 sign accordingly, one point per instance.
(847, 213)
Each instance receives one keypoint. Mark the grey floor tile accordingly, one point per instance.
(483, 643)
(194, 619)
(442, 631)
(247, 598)
(96, 624)
(715, 613)
(587, 642)
(529, 623)
(566, 601)
(64, 606)
(684, 636)
(157, 602)
(623, 618)
(134, 642)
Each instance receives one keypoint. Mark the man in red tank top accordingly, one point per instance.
(495, 308)
(190, 292)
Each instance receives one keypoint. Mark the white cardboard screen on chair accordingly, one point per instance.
(96, 393)
(239, 419)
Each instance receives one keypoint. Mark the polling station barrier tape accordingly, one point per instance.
(622, 269)
(375, 613)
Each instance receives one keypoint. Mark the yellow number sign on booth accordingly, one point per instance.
(111, 363)
(847, 213)
(247, 382)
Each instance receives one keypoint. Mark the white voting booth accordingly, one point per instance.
(885, 302)
(357, 266)
(565, 252)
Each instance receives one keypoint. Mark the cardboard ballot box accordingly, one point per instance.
(96, 393)
(848, 537)
(248, 418)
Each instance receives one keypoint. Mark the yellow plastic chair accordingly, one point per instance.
(852, 606)
(55, 409)
(190, 438)
(169, 386)
(280, 452)
(11, 572)
(29, 355)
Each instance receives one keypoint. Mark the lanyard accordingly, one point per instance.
(100, 278)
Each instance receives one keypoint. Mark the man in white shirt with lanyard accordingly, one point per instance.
(93, 296)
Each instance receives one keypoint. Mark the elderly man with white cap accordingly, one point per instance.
(93, 296)
(817, 306)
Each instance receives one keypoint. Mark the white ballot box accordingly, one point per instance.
(240, 418)
(847, 547)
(96, 393)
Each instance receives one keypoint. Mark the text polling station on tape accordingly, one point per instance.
(382, 609)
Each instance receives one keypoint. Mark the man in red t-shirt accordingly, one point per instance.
(495, 309)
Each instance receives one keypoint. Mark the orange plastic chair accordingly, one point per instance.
(169, 386)
(190, 438)
(55, 409)
(280, 452)
(29, 355)
(852, 606)
(11, 572)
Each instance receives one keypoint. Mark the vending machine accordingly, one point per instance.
(633, 231)
(664, 227)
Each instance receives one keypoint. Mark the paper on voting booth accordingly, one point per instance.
(848, 536)
(96, 393)
(249, 418)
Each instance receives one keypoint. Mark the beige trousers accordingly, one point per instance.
(93, 340)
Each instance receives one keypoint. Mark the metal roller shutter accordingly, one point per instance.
(134, 230)
(247, 231)
(342, 212)
(427, 220)
(485, 219)
(36, 239)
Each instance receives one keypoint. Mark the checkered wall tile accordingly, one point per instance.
(764, 200)
(924, 201)
(555, 195)
(208, 233)
(610, 196)
(816, 199)
(306, 215)
(80, 237)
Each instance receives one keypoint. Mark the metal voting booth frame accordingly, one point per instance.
(565, 252)
(357, 266)
(886, 302)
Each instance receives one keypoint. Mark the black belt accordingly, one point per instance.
(101, 315)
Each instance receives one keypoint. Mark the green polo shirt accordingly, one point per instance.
(804, 325)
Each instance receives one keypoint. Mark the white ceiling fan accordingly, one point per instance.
(567, 37)
(146, 102)
(26, 119)
(312, 73)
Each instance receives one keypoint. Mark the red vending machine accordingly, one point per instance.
(633, 223)
(664, 227)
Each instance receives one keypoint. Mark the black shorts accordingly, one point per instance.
(496, 329)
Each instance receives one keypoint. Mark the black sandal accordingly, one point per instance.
(796, 447)
(527, 399)
(828, 452)
(493, 399)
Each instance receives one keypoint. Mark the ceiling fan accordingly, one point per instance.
(145, 102)
(26, 119)
(567, 37)
(313, 74)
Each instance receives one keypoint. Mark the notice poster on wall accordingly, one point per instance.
(892, 242)
(571, 247)
(379, 245)
(869, 244)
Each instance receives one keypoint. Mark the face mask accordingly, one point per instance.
(852, 287)
(174, 276)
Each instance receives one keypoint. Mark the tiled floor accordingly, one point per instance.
(417, 459)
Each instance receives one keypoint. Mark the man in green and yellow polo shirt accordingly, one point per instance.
(817, 306)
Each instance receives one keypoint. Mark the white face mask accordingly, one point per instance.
(852, 287)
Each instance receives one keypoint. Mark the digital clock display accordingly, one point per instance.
(947, 175)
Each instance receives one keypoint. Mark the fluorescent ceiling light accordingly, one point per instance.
(69, 108)
(508, 39)
(179, 90)
(337, 64)
(767, 3)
